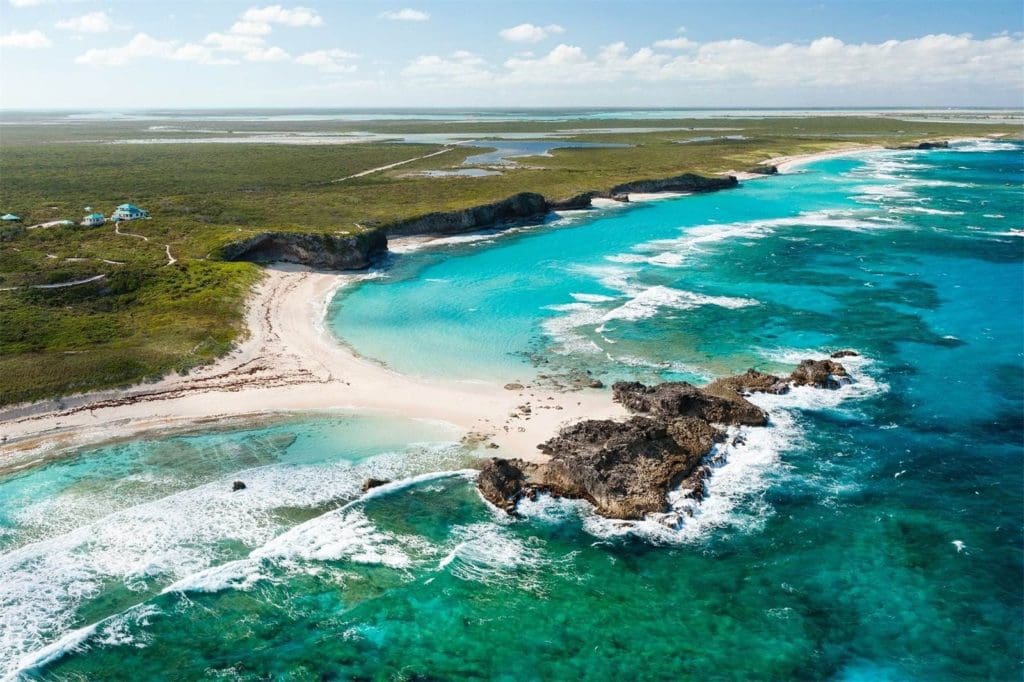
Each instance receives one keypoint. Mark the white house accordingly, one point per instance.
(93, 220)
(128, 212)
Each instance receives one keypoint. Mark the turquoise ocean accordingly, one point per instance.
(872, 533)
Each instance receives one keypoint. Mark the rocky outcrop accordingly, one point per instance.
(749, 382)
(927, 144)
(764, 169)
(574, 203)
(525, 206)
(371, 483)
(317, 250)
(820, 374)
(627, 468)
(688, 182)
(680, 399)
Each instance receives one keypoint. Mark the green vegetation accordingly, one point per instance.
(147, 317)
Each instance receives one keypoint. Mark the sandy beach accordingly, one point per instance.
(290, 364)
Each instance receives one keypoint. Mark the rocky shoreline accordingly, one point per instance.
(360, 251)
(627, 468)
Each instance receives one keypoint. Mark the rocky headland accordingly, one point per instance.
(358, 251)
(627, 468)
(316, 250)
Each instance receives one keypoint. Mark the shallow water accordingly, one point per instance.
(870, 533)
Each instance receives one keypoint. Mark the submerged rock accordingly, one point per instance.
(237, 485)
(371, 483)
(844, 354)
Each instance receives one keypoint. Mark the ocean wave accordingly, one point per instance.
(983, 146)
(42, 584)
(642, 303)
(490, 554)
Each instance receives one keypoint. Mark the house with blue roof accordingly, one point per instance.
(128, 212)
(93, 220)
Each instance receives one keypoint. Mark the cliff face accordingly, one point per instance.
(349, 252)
(517, 208)
(332, 251)
(688, 182)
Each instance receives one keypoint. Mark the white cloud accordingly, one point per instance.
(675, 44)
(267, 54)
(405, 15)
(826, 68)
(528, 33)
(328, 61)
(461, 69)
(252, 28)
(93, 22)
(28, 40)
(233, 43)
(257, 20)
(141, 45)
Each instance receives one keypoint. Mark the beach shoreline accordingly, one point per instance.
(289, 363)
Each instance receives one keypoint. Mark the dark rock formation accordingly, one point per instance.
(749, 382)
(332, 251)
(764, 169)
(844, 354)
(578, 202)
(688, 182)
(680, 399)
(371, 483)
(820, 374)
(526, 206)
(236, 486)
(933, 144)
(627, 468)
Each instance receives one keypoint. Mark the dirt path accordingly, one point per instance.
(393, 165)
(117, 230)
(60, 285)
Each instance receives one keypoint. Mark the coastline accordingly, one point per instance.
(290, 364)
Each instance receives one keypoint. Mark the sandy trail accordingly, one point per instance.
(392, 165)
(291, 364)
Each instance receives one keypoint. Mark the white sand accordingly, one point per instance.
(787, 164)
(291, 364)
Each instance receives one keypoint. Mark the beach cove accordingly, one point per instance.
(867, 252)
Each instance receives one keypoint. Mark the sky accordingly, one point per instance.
(446, 53)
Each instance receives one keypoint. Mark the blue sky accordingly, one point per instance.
(82, 53)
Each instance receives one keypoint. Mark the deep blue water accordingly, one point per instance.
(870, 533)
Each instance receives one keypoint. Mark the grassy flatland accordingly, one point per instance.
(147, 318)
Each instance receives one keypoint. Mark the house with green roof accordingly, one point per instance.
(128, 212)
(93, 220)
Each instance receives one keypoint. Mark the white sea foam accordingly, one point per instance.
(642, 303)
(166, 540)
(983, 146)
(488, 553)
(925, 210)
(647, 302)
(592, 298)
